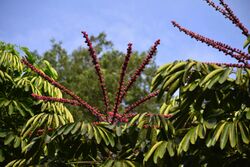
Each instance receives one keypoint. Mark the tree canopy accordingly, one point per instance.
(203, 119)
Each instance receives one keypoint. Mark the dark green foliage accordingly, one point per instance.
(16, 104)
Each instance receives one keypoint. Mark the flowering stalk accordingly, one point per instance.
(98, 70)
(228, 13)
(121, 82)
(131, 115)
(62, 88)
(55, 99)
(146, 126)
(138, 71)
(228, 50)
(143, 65)
(230, 64)
(139, 102)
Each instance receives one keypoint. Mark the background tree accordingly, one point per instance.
(203, 122)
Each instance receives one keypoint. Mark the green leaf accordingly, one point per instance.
(248, 115)
(201, 131)
(2, 157)
(172, 79)
(160, 151)
(3, 134)
(130, 163)
(76, 128)
(217, 132)
(11, 109)
(177, 67)
(17, 142)
(108, 163)
(238, 80)
(118, 130)
(247, 42)
(97, 135)
(224, 136)
(210, 123)
(170, 148)
(193, 134)
(9, 139)
(90, 131)
(103, 135)
(232, 134)
(244, 133)
(84, 128)
(225, 75)
(110, 138)
(211, 75)
(187, 71)
(68, 129)
(184, 144)
(29, 56)
(150, 152)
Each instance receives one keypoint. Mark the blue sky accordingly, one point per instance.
(33, 23)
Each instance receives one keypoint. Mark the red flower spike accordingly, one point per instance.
(139, 102)
(226, 49)
(229, 65)
(54, 99)
(228, 13)
(130, 115)
(234, 19)
(113, 116)
(62, 88)
(138, 71)
(98, 70)
(121, 82)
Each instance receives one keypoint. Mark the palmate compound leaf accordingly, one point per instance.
(158, 150)
(97, 132)
(150, 152)
(191, 137)
(244, 132)
(233, 135)
(225, 75)
(210, 76)
(224, 136)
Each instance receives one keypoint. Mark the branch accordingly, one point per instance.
(226, 49)
(98, 70)
(229, 64)
(62, 88)
(130, 115)
(139, 102)
(55, 99)
(235, 20)
(228, 13)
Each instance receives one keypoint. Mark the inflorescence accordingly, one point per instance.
(112, 116)
(235, 53)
